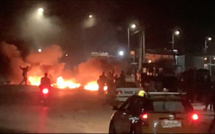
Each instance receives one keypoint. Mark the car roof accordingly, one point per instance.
(164, 96)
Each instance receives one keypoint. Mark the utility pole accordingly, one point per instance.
(142, 52)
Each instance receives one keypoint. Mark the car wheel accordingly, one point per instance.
(112, 129)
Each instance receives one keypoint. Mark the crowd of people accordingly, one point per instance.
(111, 80)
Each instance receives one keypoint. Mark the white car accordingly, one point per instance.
(125, 91)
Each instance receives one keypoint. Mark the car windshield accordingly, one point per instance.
(165, 106)
(168, 106)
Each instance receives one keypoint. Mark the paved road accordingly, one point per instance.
(70, 111)
(20, 110)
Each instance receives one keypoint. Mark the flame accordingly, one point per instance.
(93, 86)
(34, 80)
(62, 84)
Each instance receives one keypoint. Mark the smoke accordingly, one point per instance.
(39, 29)
(12, 53)
(46, 61)
(93, 68)
(49, 61)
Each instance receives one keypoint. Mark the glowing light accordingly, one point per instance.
(39, 50)
(66, 55)
(149, 61)
(133, 26)
(209, 38)
(121, 53)
(195, 117)
(90, 16)
(45, 91)
(176, 32)
(205, 58)
(40, 11)
(105, 88)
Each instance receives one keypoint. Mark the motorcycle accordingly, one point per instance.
(44, 95)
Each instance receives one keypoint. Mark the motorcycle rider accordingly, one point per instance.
(45, 82)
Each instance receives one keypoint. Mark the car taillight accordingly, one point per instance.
(195, 117)
(144, 116)
(45, 91)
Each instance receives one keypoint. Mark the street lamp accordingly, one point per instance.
(90, 16)
(40, 11)
(206, 46)
(175, 33)
(132, 26)
(121, 53)
(206, 43)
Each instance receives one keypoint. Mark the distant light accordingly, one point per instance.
(90, 16)
(66, 55)
(176, 32)
(133, 26)
(39, 50)
(214, 58)
(209, 38)
(40, 11)
(205, 58)
(149, 61)
(121, 53)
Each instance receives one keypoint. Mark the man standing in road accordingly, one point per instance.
(24, 74)
(101, 82)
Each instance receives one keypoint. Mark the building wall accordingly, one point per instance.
(194, 62)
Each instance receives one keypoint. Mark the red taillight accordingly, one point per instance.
(144, 116)
(195, 117)
(45, 91)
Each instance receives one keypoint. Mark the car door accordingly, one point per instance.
(121, 119)
(128, 113)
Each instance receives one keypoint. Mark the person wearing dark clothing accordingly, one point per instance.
(24, 74)
(110, 88)
(122, 78)
(45, 81)
(101, 82)
(213, 121)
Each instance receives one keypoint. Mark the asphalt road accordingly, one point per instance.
(69, 111)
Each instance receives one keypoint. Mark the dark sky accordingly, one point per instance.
(194, 18)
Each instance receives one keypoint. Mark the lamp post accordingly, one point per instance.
(132, 26)
(206, 46)
(175, 33)
(88, 22)
(206, 43)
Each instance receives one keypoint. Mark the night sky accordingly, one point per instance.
(194, 18)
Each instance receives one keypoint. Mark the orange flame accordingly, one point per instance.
(34, 80)
(61, 83)
(93, 86)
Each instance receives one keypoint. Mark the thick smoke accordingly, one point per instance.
(49, 61)
(13, 54)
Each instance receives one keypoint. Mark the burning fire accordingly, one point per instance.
(62, 84)
(34, 80)
(93, 86)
